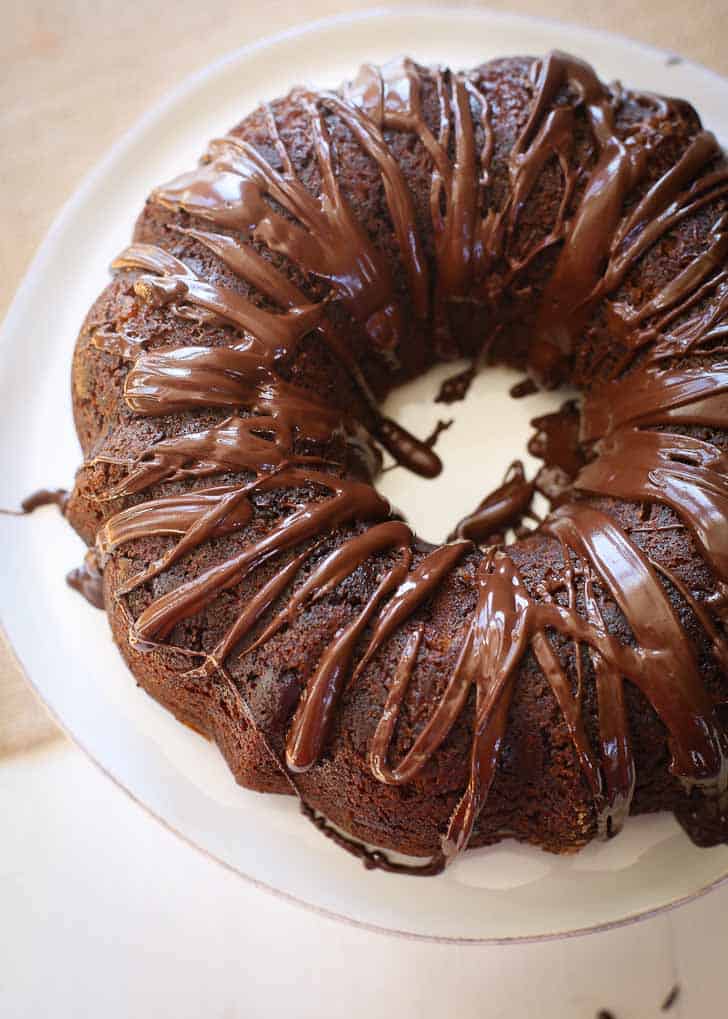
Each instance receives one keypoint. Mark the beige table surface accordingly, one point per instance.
(110, 915)
(76, 74)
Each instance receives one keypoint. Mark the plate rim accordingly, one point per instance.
(45, 253)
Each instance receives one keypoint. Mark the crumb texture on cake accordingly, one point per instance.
(226, 390)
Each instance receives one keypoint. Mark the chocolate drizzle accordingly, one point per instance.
(45, 497)
(229, 189)
(501, 510)
(626, 447)
(88, 580)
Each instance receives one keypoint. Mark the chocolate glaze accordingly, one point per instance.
(455, 387)
(526, 387)
(683, 472)
(556, 441)
(314, 715)
(372, 859)
(597, 237)
(88, 580)
(502, 509)
(229, 189)
(440, 427)
(45, 497)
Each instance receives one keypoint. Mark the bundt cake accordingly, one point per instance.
(226, 387)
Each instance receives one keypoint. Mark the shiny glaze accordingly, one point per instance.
(88, 580)
(45, 497)
(501, 509)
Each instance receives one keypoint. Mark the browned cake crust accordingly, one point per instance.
(548, 743)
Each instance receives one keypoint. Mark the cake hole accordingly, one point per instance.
(489, 431)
